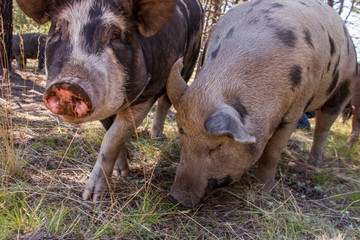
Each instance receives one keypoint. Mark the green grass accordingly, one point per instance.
(313, 203)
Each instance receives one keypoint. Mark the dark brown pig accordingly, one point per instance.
(266, 63)
(28, 46)
(109, 60)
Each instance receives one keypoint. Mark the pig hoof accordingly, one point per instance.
(117, 172)
(122, 173)
(86, 195)
(156, 134)
(89, 195)
(125, 172)
(316, 161)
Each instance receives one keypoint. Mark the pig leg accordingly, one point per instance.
(325, 117)
(160, 116)
(20, 62)
(268, 161)
(355, 127)
(355, 102)
(112, 148)
(121, 167)
(322, 126)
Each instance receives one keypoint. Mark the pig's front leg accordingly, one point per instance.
(121, 167)
(112, 150)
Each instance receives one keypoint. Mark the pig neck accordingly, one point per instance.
(140, 80)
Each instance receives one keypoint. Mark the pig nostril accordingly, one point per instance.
(53, 101)
(81, 108)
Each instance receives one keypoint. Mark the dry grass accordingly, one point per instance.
(55, 159)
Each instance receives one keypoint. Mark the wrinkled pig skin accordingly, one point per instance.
(266, 63)
(109, 61)
(28, 46)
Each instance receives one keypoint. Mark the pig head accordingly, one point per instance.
(86, 78)
(266, 63)
(109, 61)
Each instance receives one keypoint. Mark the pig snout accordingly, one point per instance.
(68, 100)
(183, 198)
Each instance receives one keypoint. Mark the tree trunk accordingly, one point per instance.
(341, 6)
(5, 32)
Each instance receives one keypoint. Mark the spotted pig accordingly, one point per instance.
(266, 63)
(109, 60)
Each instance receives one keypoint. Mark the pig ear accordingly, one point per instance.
(228, 123)
(151, 15)
(36, 9)
(176, 85)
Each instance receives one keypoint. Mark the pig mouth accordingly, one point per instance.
(67, 100)
(188, 199)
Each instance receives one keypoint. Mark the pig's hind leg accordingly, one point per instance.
(160, 116)
(325, 117)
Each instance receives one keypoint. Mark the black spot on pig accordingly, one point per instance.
(336, 68)
(295, 76)
(332, 46)
(334, 103)
(286, 36)
(277, 5)
(230, 33)
(308, 38)
(215, 52)
(304, 4)
(329, 65)
(91, 33)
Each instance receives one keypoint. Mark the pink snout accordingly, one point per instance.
(68, 100)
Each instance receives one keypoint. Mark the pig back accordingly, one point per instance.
(294, 50)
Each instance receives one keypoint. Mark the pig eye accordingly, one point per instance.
(215, 149)
(116, 36)
(181, 131)
(59, 30)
